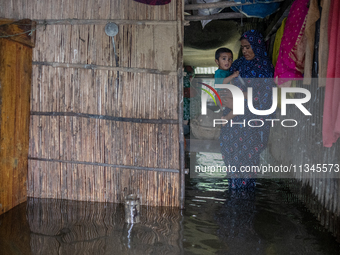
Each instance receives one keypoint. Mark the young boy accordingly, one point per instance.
(224, 59)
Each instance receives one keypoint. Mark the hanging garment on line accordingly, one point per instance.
(277, 43)
(290, 63)
(312, 17)
(331, 112)
(323, 43)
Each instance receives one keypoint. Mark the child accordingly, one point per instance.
(224, 59)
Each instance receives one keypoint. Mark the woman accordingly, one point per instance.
(241, 145)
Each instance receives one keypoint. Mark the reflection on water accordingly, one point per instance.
(265, 220)
(236, 223)
(70, 227)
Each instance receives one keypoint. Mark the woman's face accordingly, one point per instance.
(247, 51)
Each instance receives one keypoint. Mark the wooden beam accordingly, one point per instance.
(106, 165)
(223, 4)
(229, 15)
(180, 45)
(99, 67)
(103, 22)
(106, 117)
(15, 90)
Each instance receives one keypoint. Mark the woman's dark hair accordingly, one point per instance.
(222, 50)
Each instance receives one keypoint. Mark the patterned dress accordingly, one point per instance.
(241, 144)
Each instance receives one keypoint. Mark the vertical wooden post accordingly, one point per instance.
(180, 41)
(15, 86)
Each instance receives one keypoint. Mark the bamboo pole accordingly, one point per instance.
(180, 36)
(45, 22)
(100, 67)
(228, 15)
(105, 117)
(153, 169)
(222, 4)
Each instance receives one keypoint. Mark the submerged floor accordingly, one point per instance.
(265, 221)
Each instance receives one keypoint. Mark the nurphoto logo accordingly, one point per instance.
(238, 104)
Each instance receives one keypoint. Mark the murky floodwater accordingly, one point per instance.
(268, 220)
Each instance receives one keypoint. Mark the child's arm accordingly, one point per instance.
(230, 77)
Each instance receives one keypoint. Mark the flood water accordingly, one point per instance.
(267, 220)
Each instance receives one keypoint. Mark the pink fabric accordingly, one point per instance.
(331, 112)
(290, 62)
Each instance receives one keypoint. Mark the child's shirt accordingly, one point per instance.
(220, 75)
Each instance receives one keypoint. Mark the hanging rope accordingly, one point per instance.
(25, 32)
(28, 31)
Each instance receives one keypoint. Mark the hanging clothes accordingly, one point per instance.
(260, 9)
(290, 63)
(323, 42)
(277, 43)
(312, 17)
(331, 112)
(153, 2)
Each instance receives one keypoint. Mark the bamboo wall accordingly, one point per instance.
(99, 131)
(303, 145)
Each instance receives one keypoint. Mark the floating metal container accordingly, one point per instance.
(132, 208)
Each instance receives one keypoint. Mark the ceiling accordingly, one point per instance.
(200, 44)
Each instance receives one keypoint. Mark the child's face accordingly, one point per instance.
(225, 60)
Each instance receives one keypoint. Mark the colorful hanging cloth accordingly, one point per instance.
(290, 63)
(323, 43)
(331, 112)
(312, 17)
(277, 43)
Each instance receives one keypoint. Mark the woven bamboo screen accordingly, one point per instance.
(99, 131)
(302, 147)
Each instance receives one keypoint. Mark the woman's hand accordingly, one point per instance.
(226, 95)
(228, 102)
(225, 118)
